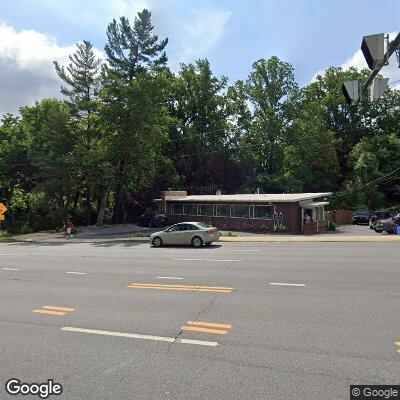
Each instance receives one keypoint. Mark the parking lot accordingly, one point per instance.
(236, 321)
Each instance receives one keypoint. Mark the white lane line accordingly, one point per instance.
(138, 336)
(76, 273)
(287, 284)
(204, 259)
(12, 254)
(10, 269)
(168, 277)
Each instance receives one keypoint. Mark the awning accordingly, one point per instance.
(315, 204)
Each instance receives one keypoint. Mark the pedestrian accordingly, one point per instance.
(69, 226)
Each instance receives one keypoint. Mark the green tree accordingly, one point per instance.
(82, 79)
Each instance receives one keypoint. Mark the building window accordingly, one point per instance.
(239, 211)
(190, 209)
(261, 212)
(221, 210)
(177, 209)
(205, 209)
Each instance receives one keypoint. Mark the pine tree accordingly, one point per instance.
(82, 76)
(134, 49)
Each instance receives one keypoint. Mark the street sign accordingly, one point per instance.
(3, 208)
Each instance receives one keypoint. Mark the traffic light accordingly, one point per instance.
(373, 48)
(378, 88)
(351, 91)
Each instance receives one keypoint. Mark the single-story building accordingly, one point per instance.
(287, 212)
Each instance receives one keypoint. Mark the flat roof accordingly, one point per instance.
(248, 198)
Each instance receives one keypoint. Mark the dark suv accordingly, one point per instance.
(152, 220)
(361, 217)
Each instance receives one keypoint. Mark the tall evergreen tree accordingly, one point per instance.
(133, 49)
(132, 52)
(82, 79)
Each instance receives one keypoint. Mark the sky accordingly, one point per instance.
(310, 34)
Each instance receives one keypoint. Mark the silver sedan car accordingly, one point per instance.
(194, 233)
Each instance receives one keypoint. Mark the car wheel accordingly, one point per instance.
(378, 231)
(157, 242)
(197, 241)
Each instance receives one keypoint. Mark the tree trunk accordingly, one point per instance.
(120, 196)
(103, 205)
(89, 206)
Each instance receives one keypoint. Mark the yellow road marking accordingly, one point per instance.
(398, 346)
(209, 324)
(205, 330)
(184, 286)
(59, 308)
(49, 312)
(182, 289)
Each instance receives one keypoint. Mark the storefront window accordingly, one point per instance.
(205, 209)
(261, 212)
(190, 209)
(221, 210)
(177, 209)
(239, 211)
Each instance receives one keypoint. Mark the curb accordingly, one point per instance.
(314, 239)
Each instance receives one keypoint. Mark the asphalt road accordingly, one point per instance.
(245, 338)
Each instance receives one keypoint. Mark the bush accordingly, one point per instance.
(330, 226)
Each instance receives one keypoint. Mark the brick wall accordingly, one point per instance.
(290, 211)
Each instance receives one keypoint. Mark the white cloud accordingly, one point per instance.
(128, 8)
(203, 33)
(26, 67)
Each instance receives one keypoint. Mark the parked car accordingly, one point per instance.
(387, 225)
(361, 217)
(194, 233)
(152, 219)
(376, 215)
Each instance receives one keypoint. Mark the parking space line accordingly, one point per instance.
(168, 277)
(140, 336)
(10, 269)
(287, 284)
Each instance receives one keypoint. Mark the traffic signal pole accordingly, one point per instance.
(392, 47)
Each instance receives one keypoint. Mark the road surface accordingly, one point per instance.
(234, 321)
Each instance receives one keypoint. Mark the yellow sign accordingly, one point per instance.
(2, 217)
(3, 208)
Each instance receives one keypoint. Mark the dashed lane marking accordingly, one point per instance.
(197, 288)
(168, 277)
(54, 310)
(76, 273)
(287, 284)
(139, 336)
(398, 346)
(206, 327)
(10, 269)
(204, 259)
